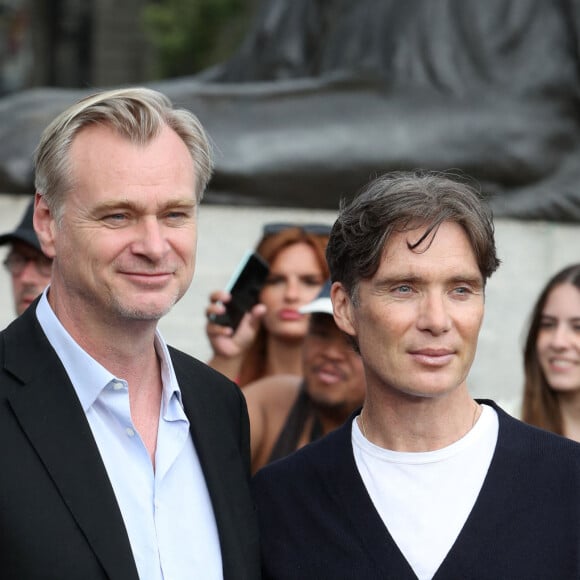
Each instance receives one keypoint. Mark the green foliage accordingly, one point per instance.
(191, 35)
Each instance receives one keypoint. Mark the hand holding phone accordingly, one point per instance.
(244, 288)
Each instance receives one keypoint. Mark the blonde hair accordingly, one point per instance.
(138, 114)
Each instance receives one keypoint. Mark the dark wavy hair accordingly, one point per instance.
(540, 403)
(401, 201)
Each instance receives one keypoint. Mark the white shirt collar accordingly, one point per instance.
(87, 375)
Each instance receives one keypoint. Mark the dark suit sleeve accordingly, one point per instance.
(59, 518)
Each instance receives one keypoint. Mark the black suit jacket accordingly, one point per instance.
(59, 517)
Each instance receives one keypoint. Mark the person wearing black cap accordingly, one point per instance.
(287, 412)
(29, 268)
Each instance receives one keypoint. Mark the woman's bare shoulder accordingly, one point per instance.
(278, 389)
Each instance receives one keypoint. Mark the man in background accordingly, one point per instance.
(286, 411)
(28, 266)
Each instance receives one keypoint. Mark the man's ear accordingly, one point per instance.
(343, 309)
(44, 225)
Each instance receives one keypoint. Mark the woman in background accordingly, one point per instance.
(552, 357)
(269, 339)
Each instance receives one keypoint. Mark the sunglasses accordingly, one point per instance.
(277, 227)
(15, 263)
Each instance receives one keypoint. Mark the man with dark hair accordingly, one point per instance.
(425, 482)
(28, 266)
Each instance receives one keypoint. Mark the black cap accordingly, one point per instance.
(25, 230)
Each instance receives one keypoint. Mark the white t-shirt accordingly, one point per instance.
(424, 499)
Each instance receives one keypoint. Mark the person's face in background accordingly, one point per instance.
(333, 371)
(30, 273)
(558, 342)
(295, 279)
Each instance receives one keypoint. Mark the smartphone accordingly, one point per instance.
(244, 287)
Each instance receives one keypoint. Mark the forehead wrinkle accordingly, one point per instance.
(141, 206)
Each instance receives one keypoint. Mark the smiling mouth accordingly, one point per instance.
(328, 375)
(149, 278)
(147, 272)
(562, 364)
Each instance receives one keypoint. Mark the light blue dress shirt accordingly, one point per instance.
(167, 511)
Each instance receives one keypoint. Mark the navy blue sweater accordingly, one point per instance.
(317, 520)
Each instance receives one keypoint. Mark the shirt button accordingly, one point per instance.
(130, 432)
(117, 385)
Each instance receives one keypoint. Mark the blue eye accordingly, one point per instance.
(177, 214)
(115, 218)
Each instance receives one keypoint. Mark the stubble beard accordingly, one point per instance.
(144, 312)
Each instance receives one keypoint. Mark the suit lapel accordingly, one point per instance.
(50, 414)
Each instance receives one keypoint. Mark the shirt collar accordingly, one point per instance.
(87, 375)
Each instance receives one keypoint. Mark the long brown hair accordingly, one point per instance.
(254, 363)
(540, 404)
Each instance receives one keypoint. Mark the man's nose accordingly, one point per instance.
(150, 240)
(433, 315)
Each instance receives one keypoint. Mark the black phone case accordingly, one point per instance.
(245, 291)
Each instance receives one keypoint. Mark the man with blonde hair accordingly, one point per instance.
(122, 457)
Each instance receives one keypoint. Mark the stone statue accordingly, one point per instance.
(325, 94)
